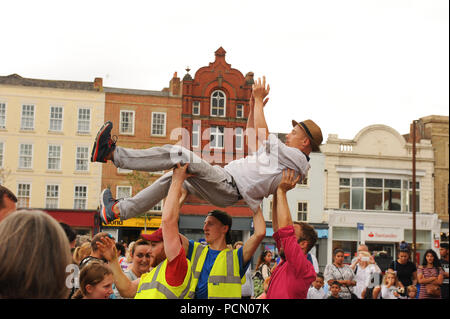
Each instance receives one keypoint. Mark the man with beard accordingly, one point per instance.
(171, 275)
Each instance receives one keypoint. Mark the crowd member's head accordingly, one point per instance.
(319, 282)
(238, 245)
(306, 236)
(338, 256)
(35, 252)
(390, 279)
(128, 253)
(443, 251)
(403, 256)
(412, 291)
(120, 249)
(335, 288)
(363, 247)
(82, 252)
(97, 238)
(157, 252)
(96, 280)
(430, 258)
(264, 258)
(217, 227)
(140, 257)
(364, 258)
(70, 233)
(7, 202)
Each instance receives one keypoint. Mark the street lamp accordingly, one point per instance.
(414, 187)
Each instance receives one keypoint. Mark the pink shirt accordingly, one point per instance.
(293, 276)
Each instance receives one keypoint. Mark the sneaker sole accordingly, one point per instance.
(102, 130)
(103, 210)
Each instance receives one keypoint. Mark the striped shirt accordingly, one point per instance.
(427, 273)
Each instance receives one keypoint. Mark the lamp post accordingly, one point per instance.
(414, 188)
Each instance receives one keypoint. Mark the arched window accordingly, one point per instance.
(218, 103)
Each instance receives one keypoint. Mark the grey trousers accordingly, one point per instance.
(211, 182)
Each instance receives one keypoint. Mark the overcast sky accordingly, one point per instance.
(345, 64)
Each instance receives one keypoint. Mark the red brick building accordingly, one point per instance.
(215, 109)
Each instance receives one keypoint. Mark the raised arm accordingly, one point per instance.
(260, 92)
(253, 242)
(250, 133)
(287, 183)
(170, 213)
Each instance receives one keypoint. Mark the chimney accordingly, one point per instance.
(175, 85)
(98, 84)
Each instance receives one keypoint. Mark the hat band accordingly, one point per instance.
(307, 131)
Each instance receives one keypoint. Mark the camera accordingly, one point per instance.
(365, 258)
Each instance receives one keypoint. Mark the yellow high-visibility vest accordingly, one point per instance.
(153, 285)
(224, 281)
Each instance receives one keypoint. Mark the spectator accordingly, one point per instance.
(247, 287)
(430, 276)
(405, 269)
(128, 254)
(122, 259)
(295, 273)
(95, 252)
(316, 290)
(390, 288)
(71, 235)
(96, 281)
(7, 202)
(335, 289)
(338, 271)
(365, 271)
(411, 292)
(81, 252)
(263, 271)
(361, 248)
(443, 251)
(266, 288)
(35, 252)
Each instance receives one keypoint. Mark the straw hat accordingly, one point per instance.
(313, 131)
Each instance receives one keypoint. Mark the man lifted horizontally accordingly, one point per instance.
(251, 178)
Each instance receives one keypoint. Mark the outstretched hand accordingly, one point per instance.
(252, 101)
(180, 172)
(107, 248)
(288, 181)
(260, 91)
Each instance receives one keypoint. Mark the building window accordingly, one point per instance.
(196, 108)
(302, 211)
(409, 202)
(25, 156)
(84, 120)
(385, 194)
(23, 195)
(80, 197)
(123, 192)
(239, 111)
(218, 103)
(54, 157)
(239, 138)
(217, 134)
(1, 153)
(2, 115)
(56, 118)
(158, 207)
(158, 124)
(124, 171)
(52, 197)
(126, 122)
(27, 120)
(82, 163)
(195, 134)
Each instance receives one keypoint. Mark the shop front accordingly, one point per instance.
(83, 222)
(381, 232)
(131, 229)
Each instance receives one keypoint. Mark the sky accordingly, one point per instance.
(346, 64)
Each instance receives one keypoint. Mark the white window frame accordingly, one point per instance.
(303, 212)
(84, 159)
(241, 137)
(75, 198)
(133, 117)
(196, 104)
(237, 111)
(218, 107)
(124, 171)
(28, 155)
(196, 132)
(215, 131)
(3, 126)
(130, 188)
(89, 121)
(22, 128)
(20, 197)
(47, 198)
(58, 168)
(165, 124)
(159, 207)
(52, 119)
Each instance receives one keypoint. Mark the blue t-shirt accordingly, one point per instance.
(201, 292)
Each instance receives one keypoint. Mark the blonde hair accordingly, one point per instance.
(364, 253)
(411, 288)
(82, 252)
(387, 273)
(91, 274)
(35, 252)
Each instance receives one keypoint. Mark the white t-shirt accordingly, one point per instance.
(388, 293)
(313, 293)
(363, 278)
(258, 175)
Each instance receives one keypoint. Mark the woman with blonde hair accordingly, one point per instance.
(390, 288)
(96, 280)
(35, 253)
(365, 271)
(82, 252)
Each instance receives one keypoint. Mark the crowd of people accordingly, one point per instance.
(41, 258)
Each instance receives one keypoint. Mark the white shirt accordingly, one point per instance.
(388, 293)
(363, 278)
(313, 293)
(258, 175)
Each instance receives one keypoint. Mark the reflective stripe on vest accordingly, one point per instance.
(155, 284)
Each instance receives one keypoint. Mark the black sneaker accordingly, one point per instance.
(107, 203)
(103, 144)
